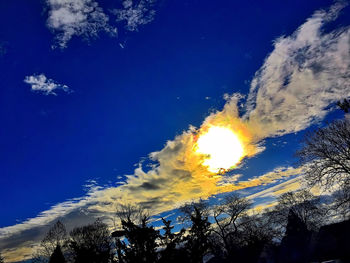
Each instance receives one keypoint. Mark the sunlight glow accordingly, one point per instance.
(222, 146)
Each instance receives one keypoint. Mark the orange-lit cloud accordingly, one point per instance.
(17, 254)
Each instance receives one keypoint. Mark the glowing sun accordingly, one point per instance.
(222, 146)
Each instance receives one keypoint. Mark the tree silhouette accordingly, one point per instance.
(226, 217)
(197, 240)
(170, 241)
(256, 232)
(56, 236)
(304, 205)
(326, 153)
(2, 260)
(140, 240)
(295, 244)
(342, 201)
(131, 212)
(57, 256)
(91, 244)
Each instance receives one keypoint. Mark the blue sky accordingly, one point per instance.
(83, 102)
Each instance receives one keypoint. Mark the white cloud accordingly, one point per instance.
(70, 18)
(40, 83)
(135, 13)
(302, 76)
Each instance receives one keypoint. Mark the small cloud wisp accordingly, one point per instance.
(42, 84)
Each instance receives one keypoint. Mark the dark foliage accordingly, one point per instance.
(227, 218)
(250, 238)
(170, 241)
(332, 241)
(291, 232)
(55, 237)
(141, 243)
(57, 256)
(91, 244)
(197, 241)
(303, 204)
(295, 244)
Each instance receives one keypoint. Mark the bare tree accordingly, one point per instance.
(256, 233)
(342, 201)
(226, 218)
(189, 209)
(132, 213)
(258, 228)
(56, 236)
(304, 205)
(326, 151)
(326, 154)
(91, 243)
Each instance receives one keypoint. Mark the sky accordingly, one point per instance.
(103, 102)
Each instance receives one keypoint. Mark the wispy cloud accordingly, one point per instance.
(302, 76)
(135, 13)
(42, 84)
(68, 18)
(281, 188)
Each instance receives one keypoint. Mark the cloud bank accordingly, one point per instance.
(42, 84)
(293, 89)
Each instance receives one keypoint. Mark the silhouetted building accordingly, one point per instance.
(332, 242)
(295, 244)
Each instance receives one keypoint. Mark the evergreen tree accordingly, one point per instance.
(57, 256)
(170, 241)
(141, 242)
(56, 236)
(197, 244)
